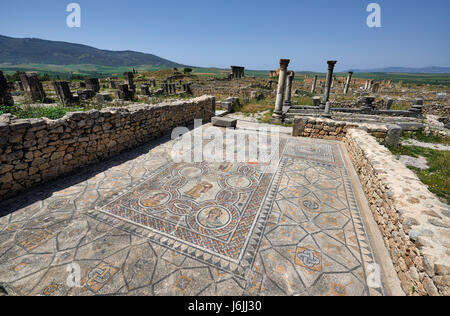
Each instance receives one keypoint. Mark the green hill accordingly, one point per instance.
(17, 51)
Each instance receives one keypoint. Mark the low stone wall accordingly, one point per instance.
(330, 129)
(36, 150)
(415, 225)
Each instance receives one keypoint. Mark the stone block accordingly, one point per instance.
(224, 122)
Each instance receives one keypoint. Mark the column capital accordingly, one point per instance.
(331, 64)
(284, 63)
(350, 72)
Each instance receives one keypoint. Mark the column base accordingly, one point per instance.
(277, 118)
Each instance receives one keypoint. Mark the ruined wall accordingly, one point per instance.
(335, 130)
(36, 150)
(413, 222)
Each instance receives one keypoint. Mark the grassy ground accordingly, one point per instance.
(254, 106)
(421, 137)
(437, 176)
(52, 113)
(66, 71)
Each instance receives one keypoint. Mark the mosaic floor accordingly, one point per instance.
(143, 224)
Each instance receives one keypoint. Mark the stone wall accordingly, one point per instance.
(315, 127)
(414, 223)
(36, 150)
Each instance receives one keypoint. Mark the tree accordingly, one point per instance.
(187, 70)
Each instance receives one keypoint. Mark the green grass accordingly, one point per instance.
(437, 177)
(52, 113)
(304, 100)
(88, 70)
(421, 137)
(254, 106)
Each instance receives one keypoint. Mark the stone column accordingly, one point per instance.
(62, 90)
(5, 96)
(326, 94)
(313, 89)
(33, 87)
(278, 113)
(326, 112)
(92, 84)
(129, 79)
(288, 90)
(347, 84)
(145, 89)
(389, 103)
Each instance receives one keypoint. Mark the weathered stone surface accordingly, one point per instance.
(410, 217)
(5, 95)
(46, 148)
(224, 122)
(33, 87)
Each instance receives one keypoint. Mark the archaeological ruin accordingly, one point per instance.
(103, 181)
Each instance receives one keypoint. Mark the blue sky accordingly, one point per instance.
(252, 33)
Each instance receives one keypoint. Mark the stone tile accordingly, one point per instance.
(141, 224)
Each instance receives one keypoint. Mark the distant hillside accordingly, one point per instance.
(15, 51)
(426, 70)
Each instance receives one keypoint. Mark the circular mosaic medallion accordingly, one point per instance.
(154, 199)
(311, 204)
(239, 182)
(214, 217)
(191, 172)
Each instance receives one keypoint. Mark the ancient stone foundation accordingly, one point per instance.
(413, 222)
(5, 96)
(33, 87)
(36, 150)
(325, 128)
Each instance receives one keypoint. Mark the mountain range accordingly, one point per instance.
(425, 70)
(27, 51)
(16, 51)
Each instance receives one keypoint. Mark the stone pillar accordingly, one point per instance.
(375, 87)
(5, 96)
(92, 84)
(278, 113)
(326, 94)
(288, 90)
(313, 89)
(368, 104)
(145, 89)
(124, 93)
(19, 86)
(347, 84)
(187, 88)
(326, 112)
(63, 92)
(389, 103)
(129, 80)
(33, 87)
(237, 72)
(165, 87)
(417, 107)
